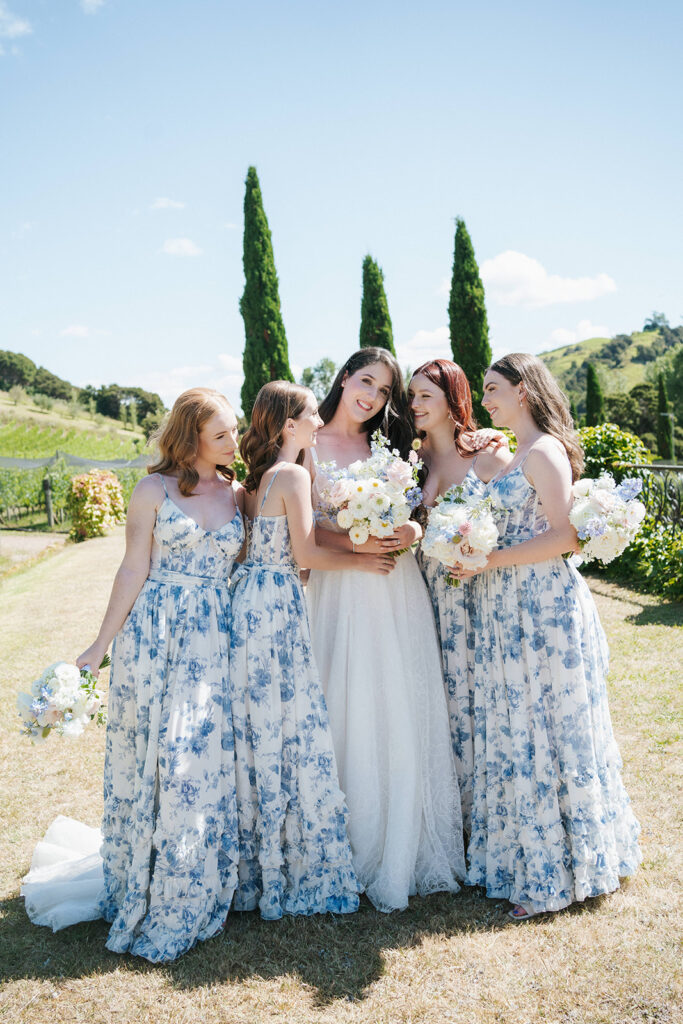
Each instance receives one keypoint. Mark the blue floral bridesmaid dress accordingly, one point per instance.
(452, 611)
(170, 814)
(551, 820)
(294, 852)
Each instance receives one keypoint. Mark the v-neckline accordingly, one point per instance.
(198, 525)
(470, 469)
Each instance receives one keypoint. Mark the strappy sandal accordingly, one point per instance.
(522, 913)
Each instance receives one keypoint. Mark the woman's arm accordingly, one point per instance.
(133, 570)
(296, 495)
(404, 537)
(548, 471)
(492, 461)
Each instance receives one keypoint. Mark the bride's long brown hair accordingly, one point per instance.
(547, 403)
(178, 438)
(276, 402)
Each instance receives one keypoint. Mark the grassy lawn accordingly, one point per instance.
(446, 959)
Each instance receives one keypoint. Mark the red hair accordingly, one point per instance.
(450, 378)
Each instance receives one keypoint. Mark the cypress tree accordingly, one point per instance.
(595, 402)
(375, 322)
(265, 355)
(574, 413)
(665, 432)
(467, 319)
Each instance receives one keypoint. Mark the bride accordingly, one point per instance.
(377, 651)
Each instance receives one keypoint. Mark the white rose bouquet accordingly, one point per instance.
(64, 698)
(606, 516)
(460, 530)
(373, 496)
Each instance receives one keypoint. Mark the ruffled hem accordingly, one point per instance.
(160, 912)
(590, 843)
(155, 940)
(321, 889)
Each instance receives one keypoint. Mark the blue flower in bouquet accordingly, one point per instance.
(629, 488)
(64, 698)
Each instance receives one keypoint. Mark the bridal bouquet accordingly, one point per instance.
(64, 698)
(460, 530)
(373, 496)
(606, 516)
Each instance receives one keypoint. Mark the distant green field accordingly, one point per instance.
(30, 439)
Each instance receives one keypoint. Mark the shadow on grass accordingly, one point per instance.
(669, 614)
(337, 957)
(654, 610)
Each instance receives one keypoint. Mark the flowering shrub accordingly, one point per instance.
(606, 447)
(95, 504)
(239, 467)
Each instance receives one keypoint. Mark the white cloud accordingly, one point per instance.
(92, 6)
(423, 346)
(229, 226)
(180, 247)
(171, 383)
(164, 203)
(513, 279)
(585, 329)
(231, 364)
(12, 26)
(75, 331)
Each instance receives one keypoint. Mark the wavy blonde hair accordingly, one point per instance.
(547, 403)
(276, 402)
(178, 438)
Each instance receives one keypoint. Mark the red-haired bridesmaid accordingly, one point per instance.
(441, 403)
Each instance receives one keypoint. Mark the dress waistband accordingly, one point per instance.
(182, 579)
(241, 570)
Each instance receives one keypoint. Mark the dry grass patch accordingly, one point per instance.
(458, 959)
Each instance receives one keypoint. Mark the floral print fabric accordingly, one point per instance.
(170, 816)
(551, 821)
(294, 852)
(452, 611)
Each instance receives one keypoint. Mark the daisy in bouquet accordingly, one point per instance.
(460, 530)
(606, 516)
(63, 698)
(374, 496)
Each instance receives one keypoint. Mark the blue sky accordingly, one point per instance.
(127, 127)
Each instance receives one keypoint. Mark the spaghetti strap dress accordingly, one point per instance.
(452, 611)
(166, 870)
(551, 820)
(294, 854)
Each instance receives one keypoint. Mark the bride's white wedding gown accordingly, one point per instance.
(377, 651)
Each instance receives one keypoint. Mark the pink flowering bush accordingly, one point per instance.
(95, 504)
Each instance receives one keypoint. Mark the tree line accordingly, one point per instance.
(132, 405)
(646, 411)
(266, 355)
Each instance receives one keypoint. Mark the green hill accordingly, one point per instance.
(622, 362)
(30, 432)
